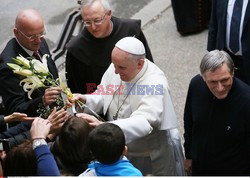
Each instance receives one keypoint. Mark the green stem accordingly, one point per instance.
(50, 82)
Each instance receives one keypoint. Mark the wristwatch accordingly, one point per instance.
(38, 142)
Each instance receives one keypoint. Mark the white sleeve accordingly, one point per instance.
(88, 172)
(134, 128)
(95, 102)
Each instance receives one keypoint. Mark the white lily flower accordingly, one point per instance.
(23, 61)
(23, 72)
(14, 66)
(30, 84)
(19, 70)
(44, 59)
(40, 67)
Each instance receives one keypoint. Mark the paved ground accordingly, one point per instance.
(177, 56)
(54, 13)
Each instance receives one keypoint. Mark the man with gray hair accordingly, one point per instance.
(89, 53)
(134, 94)
(217, 120)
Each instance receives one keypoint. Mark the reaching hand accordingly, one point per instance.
(50, 95)
(16, 116)
(57, 119)
(188, 166)
(40, 128)
(93, 121)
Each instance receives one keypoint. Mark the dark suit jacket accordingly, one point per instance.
(217, 31)
(17, 134)
(14, 97)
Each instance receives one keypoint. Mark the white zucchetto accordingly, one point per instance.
(131, 45)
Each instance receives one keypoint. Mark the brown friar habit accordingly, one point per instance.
(88, 57)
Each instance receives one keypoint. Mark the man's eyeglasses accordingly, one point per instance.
(33, 37)
(95, 21)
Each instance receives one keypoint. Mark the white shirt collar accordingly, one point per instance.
(25, 49)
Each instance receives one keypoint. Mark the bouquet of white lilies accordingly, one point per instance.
(35, 75)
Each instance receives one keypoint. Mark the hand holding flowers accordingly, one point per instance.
(35, 75)
(79, 100)
(50, 95)
(34, 72)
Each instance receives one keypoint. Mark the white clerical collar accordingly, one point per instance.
(25, 49)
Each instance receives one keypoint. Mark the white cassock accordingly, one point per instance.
(145, 114)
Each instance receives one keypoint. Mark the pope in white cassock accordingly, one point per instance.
(134, 94)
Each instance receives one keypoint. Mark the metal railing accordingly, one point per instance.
(72, 26)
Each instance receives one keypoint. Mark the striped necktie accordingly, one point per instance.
(235, 26)
(36, 55)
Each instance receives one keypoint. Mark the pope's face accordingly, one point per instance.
(98, 19)
(126, 68)
(219, 81)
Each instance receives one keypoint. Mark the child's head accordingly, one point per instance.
(73, 139)
(72, 148)
(107, 143)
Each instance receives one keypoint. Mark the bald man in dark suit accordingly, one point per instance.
(29, 34)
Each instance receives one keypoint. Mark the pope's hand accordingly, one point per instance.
(76, 97)
(93, 121)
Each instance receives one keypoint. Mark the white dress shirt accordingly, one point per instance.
(229, 17)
